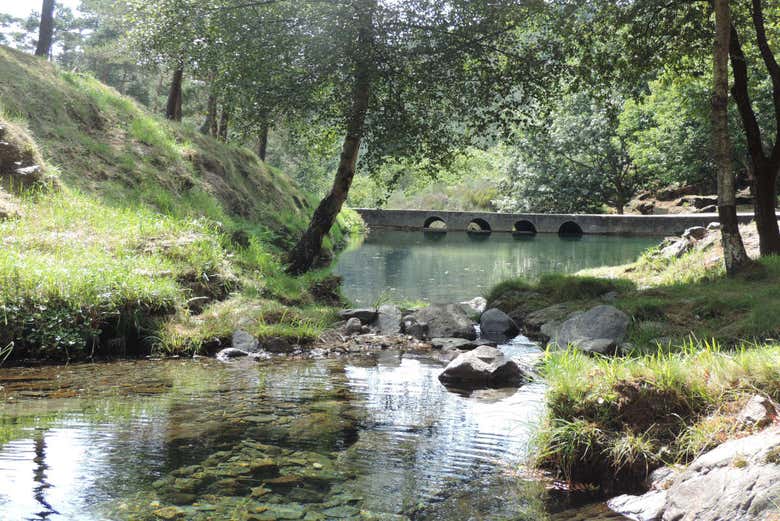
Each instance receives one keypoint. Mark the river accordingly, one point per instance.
(373, 438)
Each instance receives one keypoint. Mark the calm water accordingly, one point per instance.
(369, 438)
(458, 266)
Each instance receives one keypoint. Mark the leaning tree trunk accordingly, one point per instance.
(308, 248)
(46, 29)
(734, 253)
(209, 126)
(173, 108)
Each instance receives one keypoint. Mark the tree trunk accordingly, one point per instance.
(209, 126)
(765, 208)
(734, 254)
(173, 108)
(46, 29)
(308, 248)
(224, 120)
(262, 141)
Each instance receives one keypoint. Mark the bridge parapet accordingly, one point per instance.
(542, 223)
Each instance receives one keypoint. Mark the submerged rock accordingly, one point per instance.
(496, 325)
(737, 481)
(483, 367)
(446, 321)
(598, 330)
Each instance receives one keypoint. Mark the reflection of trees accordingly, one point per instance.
(39, 475)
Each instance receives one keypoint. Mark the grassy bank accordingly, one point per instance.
(143, 235)
(698, 346)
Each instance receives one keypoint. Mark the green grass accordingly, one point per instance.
(613, 420)
(151, 234)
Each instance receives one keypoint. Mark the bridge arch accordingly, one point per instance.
(524, 228)
(478, 225)
(435, 223)
(570, 229)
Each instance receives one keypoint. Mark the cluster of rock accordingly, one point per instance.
(681, 199)
(676, 247)
(739, 480)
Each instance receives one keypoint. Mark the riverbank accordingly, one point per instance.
(124, 234)
(695, 350)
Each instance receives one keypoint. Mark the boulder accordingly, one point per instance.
(389, 319)
(412, 327)
(446, 321)
(598, 330)
(714, 226)
(496, 325)
(354, 326)
(676, 249)
(556, 313)
(231, 353)
(737, 481)
(483, 367)
(758, 412)
(366, 316)
(695, 233)
(243, 341)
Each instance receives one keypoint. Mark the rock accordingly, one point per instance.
(695, 232)
(450, 344)
(483, 367)
(737, 481)
(676, 249)
(446, 320)
(648, 507)
(758, 412)
(229, 353)
(366, 316)
(245, 342)
(475, 305)
(389, 320)
(713, 208)
(598, 330)
(169, 513)
(412, 327)
(556, 313)
(714, 226)
(661, 478)
(354, 326)
(496, 325)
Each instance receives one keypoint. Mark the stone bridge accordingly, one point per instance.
(530, 224)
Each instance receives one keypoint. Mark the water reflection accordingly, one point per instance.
(442, 268)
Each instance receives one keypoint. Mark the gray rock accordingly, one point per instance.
(758, 412)
(446, 320)
(676, 249)
(412, 327)
(449, 344)
(483, 367)
(496, 325)
(243, 341)
(366, 316)
(599, 330)
(389, 320)
(555, 313)
(714, 226)
(648, 507)
(737, 481)
(695, 233)
(354, 326)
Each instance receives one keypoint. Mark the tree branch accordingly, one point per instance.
(772, 67)
(742, 97)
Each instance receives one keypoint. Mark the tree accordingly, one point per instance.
(173, 107)
(574, 160)
(734, 253)
(46, 29)
(766, 164)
